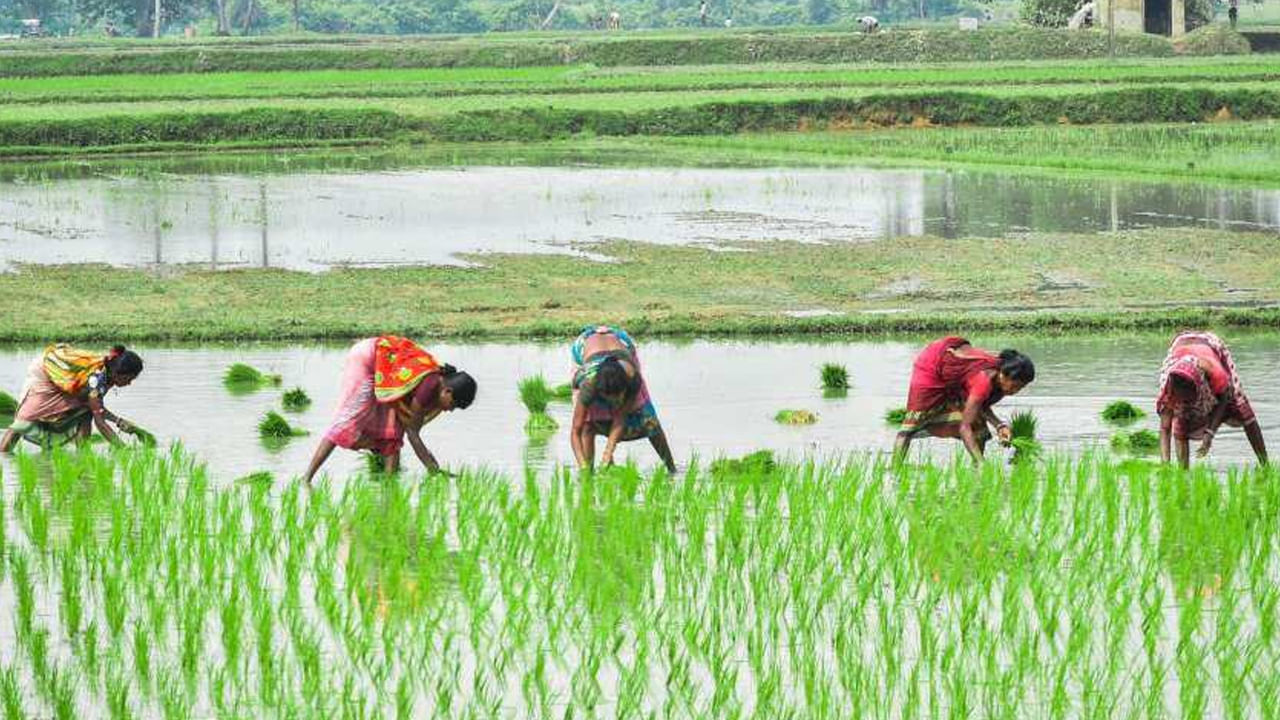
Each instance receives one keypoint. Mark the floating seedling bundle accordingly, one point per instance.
(240, 377)
(295, 400)
(1122, 412)
(274, 426)
(835, 380)
(536, 395)
(795, 417)
(1138, 442)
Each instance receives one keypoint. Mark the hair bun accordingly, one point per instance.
(446, 369)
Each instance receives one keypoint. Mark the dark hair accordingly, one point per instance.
(462, 385)
(123, 361)
(1182, 383)
(611, 378)
(1017, 367)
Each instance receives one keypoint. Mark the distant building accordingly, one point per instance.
(1158, 17)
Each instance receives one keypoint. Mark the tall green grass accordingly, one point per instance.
(141, 587)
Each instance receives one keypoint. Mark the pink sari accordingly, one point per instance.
(363, 423)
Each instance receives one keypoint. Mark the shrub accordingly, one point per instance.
(1216, 39)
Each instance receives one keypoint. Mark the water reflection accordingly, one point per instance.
(314, 221)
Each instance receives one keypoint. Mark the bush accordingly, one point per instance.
(1217, 39)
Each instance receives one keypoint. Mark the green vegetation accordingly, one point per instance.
(1122, 412)
(1138, 442)
(8, 405)
(470, 591)
(562, 392)
(795, 417)
(673, 290)
(295, 400)
(143, 436)
(835, 377)
(1022, 427)
(633, 49)
(240, 377)
(536, 395)
(895, 416)
(274, 426)
(260, 477)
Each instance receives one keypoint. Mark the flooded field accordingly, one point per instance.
(317, 220)
(716, 398)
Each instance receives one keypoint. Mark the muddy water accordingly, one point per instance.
(316, 220)
(715, 398)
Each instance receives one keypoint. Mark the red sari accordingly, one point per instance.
(1204, 361)
(942, 383)
(381, 379)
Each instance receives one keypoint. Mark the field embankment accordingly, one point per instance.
(1153, 278)
(47, 116)
(630, 49)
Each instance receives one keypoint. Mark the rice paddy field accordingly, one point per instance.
(743, 203)
(1083, 587)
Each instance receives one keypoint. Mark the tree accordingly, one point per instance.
(818, 12)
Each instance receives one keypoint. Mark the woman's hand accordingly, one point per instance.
(1005, 434)
(1205, 445)
(124, 425)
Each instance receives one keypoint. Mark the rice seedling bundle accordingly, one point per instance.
(895, 416)
(8, 405)
(295, 400)
(536, 395)
(835, 377)
(1122, 412)
(273, 425)
(1139, 442)
(932, 588)
(240, 377)
(796, 417)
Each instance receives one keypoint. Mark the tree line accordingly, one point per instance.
(147, 18)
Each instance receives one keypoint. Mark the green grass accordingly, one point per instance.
(1154, 586)
(1127, 281)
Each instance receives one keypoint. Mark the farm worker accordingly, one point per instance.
(62, 398)
(615, 20)
(391, 387)
(703, 10)
(1199, 391)
(953, 386)
(611, 398)
(1233, 12)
